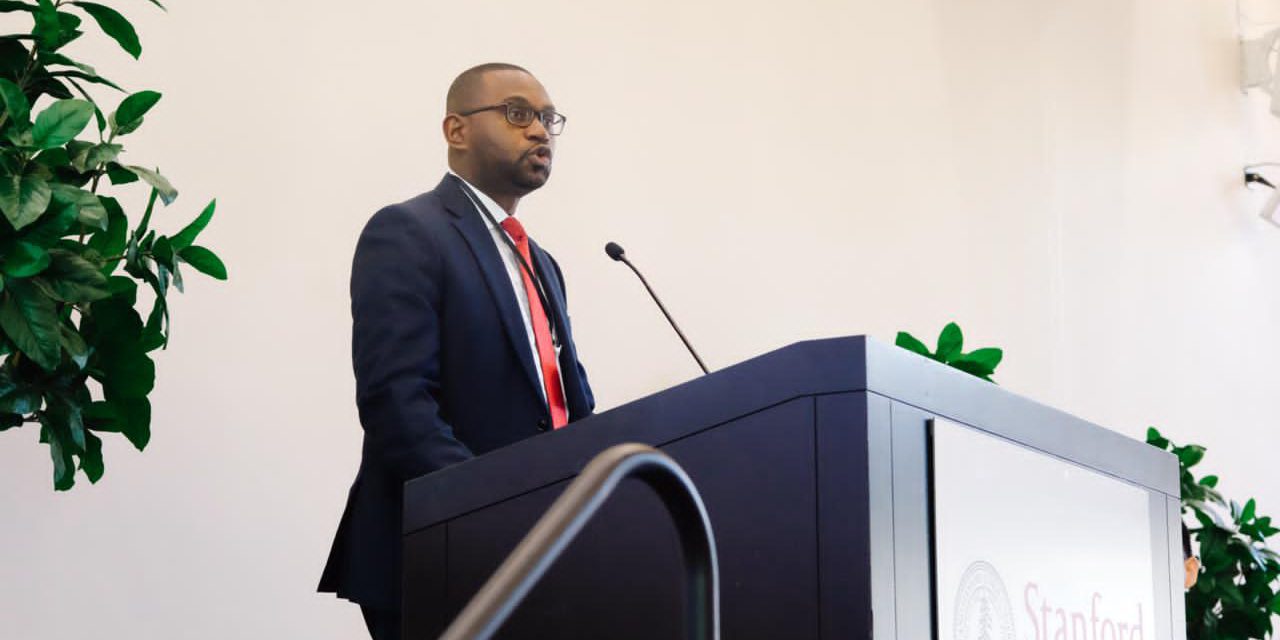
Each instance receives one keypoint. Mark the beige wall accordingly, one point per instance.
(1063, 179)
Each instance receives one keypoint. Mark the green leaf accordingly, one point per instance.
(187, 236)
(120, 175)
(48, 28)
(92, 213)
(973, 368)
(55, 31)
(74, 345)
(87, 77)
(63, 466)
(1189, 455)
(1209, 481)
(102, 416)
(162, 276)
(15, 102)
(55, 158)
(76, 152)
(91, 459)
(141, 268)
(950, 343)
(989, 357)
(57, 58)
(124, 288)
(20, 137)
(111, 242)
(23, 198)
(71, 278)
(1155, 439)
(205, 261)
(93, 156)
(24, 260)
(135, 420)
(10, 420)
(129, 375)
(64, 415)
(114, 25)
(128, 117)
(42, 83)
(89, 210)
(1249, 508)
(61, 122)
(30, 319)
(904, 340)
(98, 118)
(161, 184)
(10, 5)
(163, 252)
(20, 401)
(153, 336)
(13, 58)
(177, 276)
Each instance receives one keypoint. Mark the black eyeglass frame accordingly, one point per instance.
(553, 121)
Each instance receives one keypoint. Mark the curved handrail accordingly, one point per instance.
(495, 601)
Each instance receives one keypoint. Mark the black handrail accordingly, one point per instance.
(495, 601)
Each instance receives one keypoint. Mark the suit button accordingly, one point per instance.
(542, 424)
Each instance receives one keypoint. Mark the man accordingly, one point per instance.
(460, 339)
(1190, 563)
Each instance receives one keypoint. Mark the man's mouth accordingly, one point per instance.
(540, 156)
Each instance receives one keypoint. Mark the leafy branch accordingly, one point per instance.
(950, 351)
(1238, 590)
(66, 317)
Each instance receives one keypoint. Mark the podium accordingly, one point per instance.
(856, 490)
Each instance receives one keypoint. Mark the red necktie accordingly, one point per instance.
(541, 329)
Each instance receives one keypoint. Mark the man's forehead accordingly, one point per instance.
(501, 86)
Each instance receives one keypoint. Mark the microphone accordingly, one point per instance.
(616, 253)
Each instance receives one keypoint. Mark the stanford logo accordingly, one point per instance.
(983, 611)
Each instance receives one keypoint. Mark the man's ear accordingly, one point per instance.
(455, 131)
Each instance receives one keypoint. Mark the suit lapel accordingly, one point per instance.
(476, 233)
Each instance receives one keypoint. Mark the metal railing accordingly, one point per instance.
(508, 586)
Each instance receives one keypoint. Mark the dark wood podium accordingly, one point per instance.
(813, 464)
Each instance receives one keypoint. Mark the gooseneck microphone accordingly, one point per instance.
(614, 250)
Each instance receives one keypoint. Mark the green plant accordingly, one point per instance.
(950, 351)
(1237, 590)
(66, 318)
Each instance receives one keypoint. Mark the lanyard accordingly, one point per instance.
(528, 269)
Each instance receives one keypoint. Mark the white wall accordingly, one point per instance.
(1063, 179)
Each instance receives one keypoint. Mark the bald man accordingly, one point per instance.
(461, 341)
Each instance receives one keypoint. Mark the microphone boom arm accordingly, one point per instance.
(623, 259)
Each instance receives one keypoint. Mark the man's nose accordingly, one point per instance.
(537, 131)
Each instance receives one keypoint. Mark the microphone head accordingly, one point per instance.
(614, 250)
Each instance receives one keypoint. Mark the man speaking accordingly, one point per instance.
(461, 341)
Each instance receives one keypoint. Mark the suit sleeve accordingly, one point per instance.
(395, 346)
(582, 371)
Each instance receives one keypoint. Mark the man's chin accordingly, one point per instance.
(531, 180)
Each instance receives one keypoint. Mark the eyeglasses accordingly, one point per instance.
(523, 115)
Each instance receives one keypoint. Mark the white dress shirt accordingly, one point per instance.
(512, 264)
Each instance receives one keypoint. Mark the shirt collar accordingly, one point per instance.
(499, 214)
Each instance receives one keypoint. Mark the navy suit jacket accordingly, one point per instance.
(443, 370)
